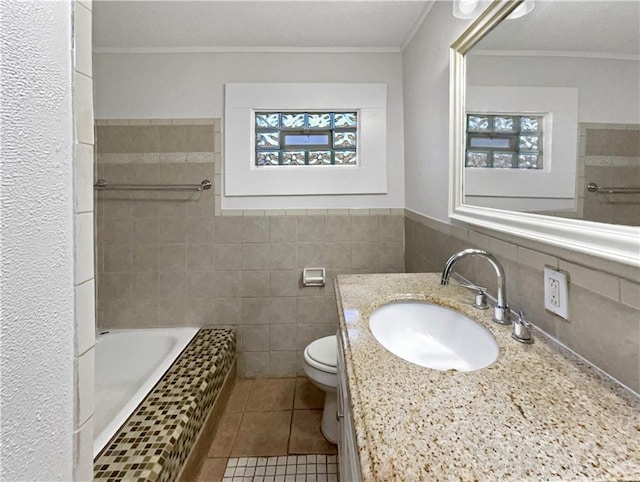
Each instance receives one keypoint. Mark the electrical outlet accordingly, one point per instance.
(556, 292)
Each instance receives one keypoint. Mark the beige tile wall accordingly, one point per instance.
(609, 155)
(612, 158)
(604, 324)
(168, 260)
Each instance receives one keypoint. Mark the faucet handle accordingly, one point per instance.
(480, 300)
(522, 329)
(473, 287)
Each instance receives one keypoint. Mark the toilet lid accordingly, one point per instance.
(324, 351)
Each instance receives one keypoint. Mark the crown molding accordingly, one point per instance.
(557, 53)
(211, 50)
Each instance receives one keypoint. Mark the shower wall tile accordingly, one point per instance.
(283, 310)
(255, 283)
(84, 247)
(282, 337)
(83, 107)
(200, 257)
(85, 310)
(364, 255)
(283, 229)
(255, 310)
(254, 364)
(172, 138)
(338, 255)
(255, 256)
(228, 284)
(255, 229)
(85, 392)
(310, 255)
(228, 229)
(83, 41)
(283, 363)
(228, 311)
(200, 284)
(172, 257)
(390, 229)
(311, 310)
(282, 256)
(144, 139)
(199, 139)
(612, 142)
(84, 178)
(200, 311)
(255, 337)
(166, 259)
(145, 284)
(310, 228)
(364, 229)
(337, 229)
(200, 230)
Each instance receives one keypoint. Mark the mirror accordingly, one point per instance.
(541, 107)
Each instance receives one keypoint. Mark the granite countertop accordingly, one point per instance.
(537, 413)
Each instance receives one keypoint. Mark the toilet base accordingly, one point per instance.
(329, 425)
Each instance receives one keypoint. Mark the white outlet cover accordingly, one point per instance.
(563, 292)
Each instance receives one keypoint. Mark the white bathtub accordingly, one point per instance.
(128, 365)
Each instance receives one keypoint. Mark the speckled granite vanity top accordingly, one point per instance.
(537, 413)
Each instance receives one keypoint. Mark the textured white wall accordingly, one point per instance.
(130, 86)
(426, 112)
(36, 242)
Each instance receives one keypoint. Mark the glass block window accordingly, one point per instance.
(306, 138)
(502, 141)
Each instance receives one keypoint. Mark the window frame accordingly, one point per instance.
(557, 179)
(243, 178)
(512, 137)
(285, 132)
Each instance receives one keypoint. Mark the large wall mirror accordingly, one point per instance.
(545, 134)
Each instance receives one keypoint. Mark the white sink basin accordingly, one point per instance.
(433, 336)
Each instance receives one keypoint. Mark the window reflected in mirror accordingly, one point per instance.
(503, 141)
(566, 73)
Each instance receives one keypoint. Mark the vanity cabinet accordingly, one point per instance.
(347, 448)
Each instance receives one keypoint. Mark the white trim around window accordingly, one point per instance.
(557, 179)
(243, 178)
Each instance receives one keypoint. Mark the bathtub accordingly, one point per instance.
(128, 364)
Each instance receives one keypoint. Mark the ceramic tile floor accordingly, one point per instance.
(267, 422)
(292, 468)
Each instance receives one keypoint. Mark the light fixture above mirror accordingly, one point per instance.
(608, 241)
(468, 9)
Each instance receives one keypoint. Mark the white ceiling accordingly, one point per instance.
(119, 25)
(610, 27)
(214, 24)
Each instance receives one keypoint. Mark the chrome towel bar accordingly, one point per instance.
(593, 187)
(103, 185)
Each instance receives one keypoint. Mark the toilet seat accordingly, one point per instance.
(322, 354)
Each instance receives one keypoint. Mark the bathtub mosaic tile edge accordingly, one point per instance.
(170, 413)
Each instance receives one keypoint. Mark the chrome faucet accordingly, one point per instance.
(501, 313)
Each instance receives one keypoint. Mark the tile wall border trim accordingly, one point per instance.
(216, 158)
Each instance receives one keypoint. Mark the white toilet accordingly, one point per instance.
(320, 366)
